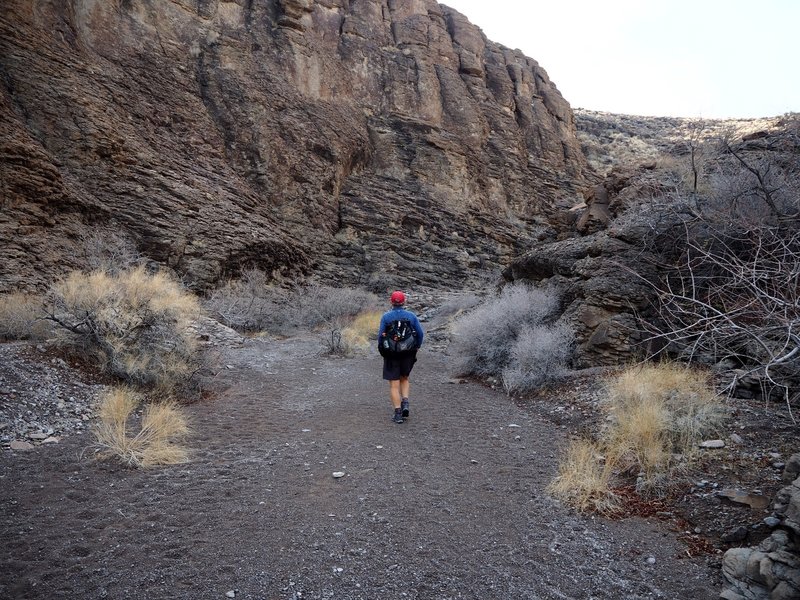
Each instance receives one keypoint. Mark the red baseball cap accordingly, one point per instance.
(398, 297)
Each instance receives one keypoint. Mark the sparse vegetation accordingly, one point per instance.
(157, 441)
(730, 260)
(134, 324)
(658, 413)
(510, 336)
(250, 304)
(110, 252)
(356, 336)
(22, 317)
(584, 478)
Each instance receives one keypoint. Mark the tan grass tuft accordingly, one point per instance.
(362, 331)
(584, 477)
(21, 317)
(157, 442)
(658, 414)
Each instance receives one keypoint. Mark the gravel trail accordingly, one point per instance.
(450, 504)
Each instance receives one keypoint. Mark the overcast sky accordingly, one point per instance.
(692, 58)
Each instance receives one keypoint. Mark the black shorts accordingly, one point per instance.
(396, 367)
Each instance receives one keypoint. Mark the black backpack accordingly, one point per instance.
(398, 337)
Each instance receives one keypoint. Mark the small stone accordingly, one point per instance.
(735, 535)
(757, 501)
(229, 367)
(712, 444)
(379, 447)
(338, 474)
(736, 439)
(230, 594)
(651, 560)
(22, 446)
(514, 425)
(473, 461)
(38, 436)
(51, 440)
(772, 522)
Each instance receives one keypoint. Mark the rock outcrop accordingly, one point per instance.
(633, 227)
(346, 139)
(772, 570)
(603, 276)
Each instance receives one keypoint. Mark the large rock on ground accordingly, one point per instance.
(772, 570)
(343, 138)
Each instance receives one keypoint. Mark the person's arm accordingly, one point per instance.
(381, 327)
(418, 329)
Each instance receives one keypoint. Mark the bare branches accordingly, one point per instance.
(770, 182)
(738, 297)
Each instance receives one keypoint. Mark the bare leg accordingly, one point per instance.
(394, 392)
(404, 388)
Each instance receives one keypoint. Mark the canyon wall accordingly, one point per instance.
(356, 141)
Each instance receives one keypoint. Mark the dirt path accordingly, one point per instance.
(450, 504)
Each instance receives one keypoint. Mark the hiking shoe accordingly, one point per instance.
(404, 407)
(398, 416)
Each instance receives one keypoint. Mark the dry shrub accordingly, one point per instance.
(539, 355)
(22, 317)
(508, 336)
(135, 324)
(157, 442)
(584, 478)
(252, 304)
(112, 252)
(658, 414)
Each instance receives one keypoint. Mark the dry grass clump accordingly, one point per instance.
(354, 336)
(658, 414)
(22, 317)
(666, 405)
(135, 324)
(584, 478)
(157, 441)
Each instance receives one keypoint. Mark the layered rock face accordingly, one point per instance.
(352, 140)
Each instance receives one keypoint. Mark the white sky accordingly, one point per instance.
(690, 58)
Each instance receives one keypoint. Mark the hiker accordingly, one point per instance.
(399, 337)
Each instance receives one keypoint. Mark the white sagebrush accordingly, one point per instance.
(507, 336)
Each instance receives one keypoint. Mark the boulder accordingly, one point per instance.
(772, 570)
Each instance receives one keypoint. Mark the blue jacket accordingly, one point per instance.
(398, 313)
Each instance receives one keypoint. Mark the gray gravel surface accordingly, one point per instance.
(450, 504)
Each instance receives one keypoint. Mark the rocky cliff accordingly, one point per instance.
(343, 138)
